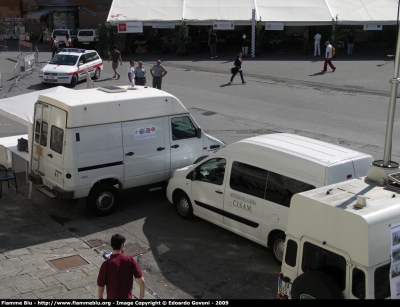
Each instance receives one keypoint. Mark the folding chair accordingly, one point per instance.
(7, 175)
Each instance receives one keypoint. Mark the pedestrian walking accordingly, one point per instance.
(306, 37)
(68, 42)
(54, 45)
(115, 56)
(116, 273)
(131, 73)
(350, 43)
(238, 66)
(328, 57)
(158, 72)
(317, 44)
(140, 74)
(212, 42)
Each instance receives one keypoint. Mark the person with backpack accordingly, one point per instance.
(329, 53)
(54, 45)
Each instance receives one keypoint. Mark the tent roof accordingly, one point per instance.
(21, 108)
(290, 12)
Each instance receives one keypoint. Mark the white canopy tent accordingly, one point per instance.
(290, 12)
(21, 108)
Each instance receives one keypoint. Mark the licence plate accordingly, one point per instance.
(39, 151)
(86, 43)
(284, 288)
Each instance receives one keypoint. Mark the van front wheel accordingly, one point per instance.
(183, 206)
(278, 247)
(74, 81)
(104, 199)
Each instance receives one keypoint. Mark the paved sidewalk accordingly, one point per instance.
(29, 238)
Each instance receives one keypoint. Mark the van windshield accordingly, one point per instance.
(64, 59)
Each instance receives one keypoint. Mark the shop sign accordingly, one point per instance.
(130, 27)
(223, 25)
(372, 27)
(163, 26)
(269, 26)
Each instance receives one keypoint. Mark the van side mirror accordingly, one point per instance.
(198, 133)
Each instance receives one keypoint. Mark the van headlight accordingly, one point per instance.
(41, 73)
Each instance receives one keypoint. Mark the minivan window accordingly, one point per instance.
(43, 139)
(381, 282)
(85, 33)
(88, 57)
(95, 56)
(358, 283)
(212, 171)
(280, 188)
(182, 128)
(316, 258)
(248, 179)
(56, 140)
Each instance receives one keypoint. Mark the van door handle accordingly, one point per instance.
(219, 192)
(175, 146)
(50, 155)
(160, 148)
(129, 153)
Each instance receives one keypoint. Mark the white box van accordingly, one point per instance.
(87, 37)
(92, 141)
(247, 186)
(339, 242)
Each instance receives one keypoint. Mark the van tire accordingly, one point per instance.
(74, 81)
(97, 73)
(278, 247)
(317, 285)
(183, 206)
(104, 199)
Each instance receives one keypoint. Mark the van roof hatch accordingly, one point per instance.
(112, 89)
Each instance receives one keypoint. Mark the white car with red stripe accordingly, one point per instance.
(70, 66)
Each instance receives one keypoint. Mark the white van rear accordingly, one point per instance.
(92, 142)
(246, 187)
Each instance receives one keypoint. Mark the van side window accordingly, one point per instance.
(316, 258)
(182, 128)
(95, 56)
(280, 188)
(358, 283)
(381, 280)
(291, 253)
(212, 171)
(88, 57)
(43, 139)
(57, 139)
(248, 179)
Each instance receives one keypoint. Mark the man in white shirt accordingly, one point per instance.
(317, 44)
(328, 57)
(131, 73)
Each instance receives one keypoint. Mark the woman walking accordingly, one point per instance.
(238, 66)
(68, 42)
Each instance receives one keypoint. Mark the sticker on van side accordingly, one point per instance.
(243, 202)
(144, 133)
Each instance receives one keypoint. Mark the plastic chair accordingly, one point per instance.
(7, 175)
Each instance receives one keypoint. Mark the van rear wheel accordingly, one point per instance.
(104, 199)
(183, 206)
(278, 247)
(97, 74)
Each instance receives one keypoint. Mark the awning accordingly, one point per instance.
(81, 8)
(290, 12)
(38, 14)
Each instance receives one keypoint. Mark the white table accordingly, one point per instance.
(10, 144)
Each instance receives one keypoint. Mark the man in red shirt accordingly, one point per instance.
(117, 273)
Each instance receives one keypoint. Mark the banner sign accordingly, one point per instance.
(163, 26)
(372, 27)
(274, 26)
(130, 27)
(223, 25)
(395, 265)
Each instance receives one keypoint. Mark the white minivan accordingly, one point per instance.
(93, 141)
(246, 187)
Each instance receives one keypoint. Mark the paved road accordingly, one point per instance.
(284, 93)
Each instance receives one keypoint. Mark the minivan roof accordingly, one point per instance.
(89, 107)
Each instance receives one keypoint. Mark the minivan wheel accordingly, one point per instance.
(74, 80)
(278, 247)
(97, 73)
(104, 199)
(183, 206)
